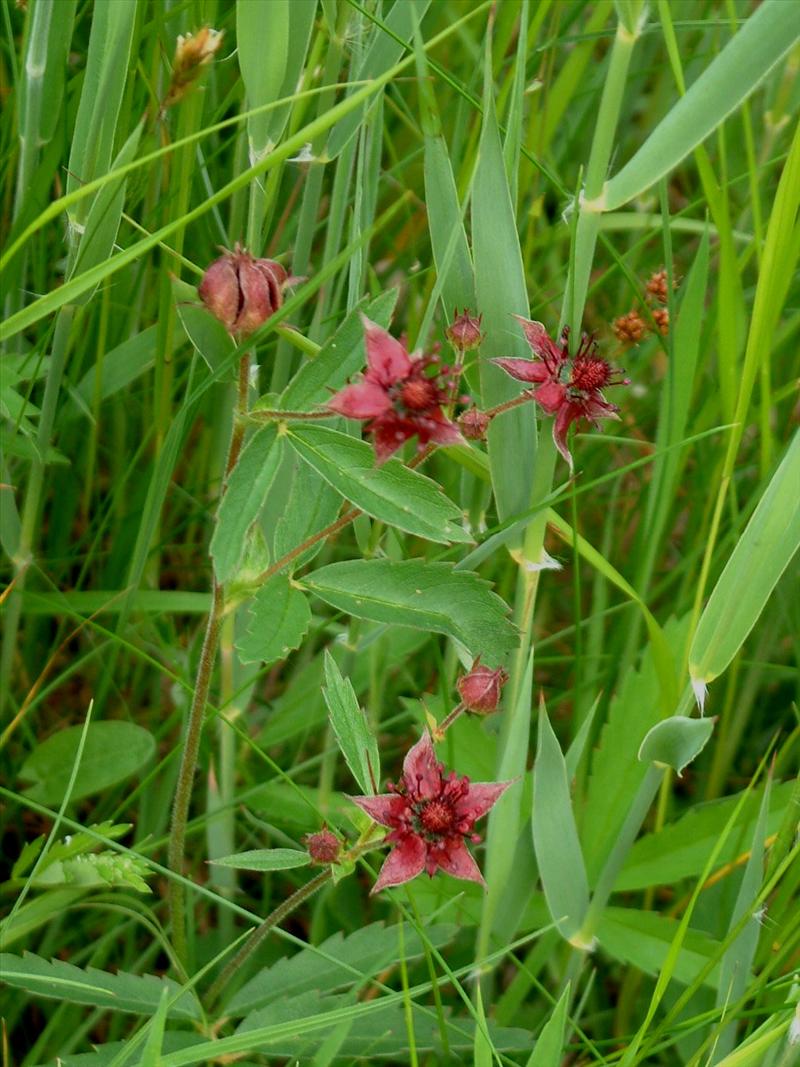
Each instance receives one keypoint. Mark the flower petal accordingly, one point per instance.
(457, 860)
(365, 400)
(386, 808)
(387, 360)
(524, 370)
(391, 432)
(422, 772)
(550, 396)
(437, 428)
(404, 862)
(563, 420)
(595, 407)
(480, 797)
(541, 342)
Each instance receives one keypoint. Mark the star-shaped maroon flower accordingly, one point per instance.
(567, 387)
(430, 815)
(398, 397)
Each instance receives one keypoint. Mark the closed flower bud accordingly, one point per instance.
(323, 847)
(464, 332)
(480, 689)
(474, 424)
(242, 292)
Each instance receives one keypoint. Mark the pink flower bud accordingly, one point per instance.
(464, 332)
(323, 847)
(242, 292)
(480, 689)
(474, 424)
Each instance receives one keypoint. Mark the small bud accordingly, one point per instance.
(629, 329)
(656, 286)
(480, 689)
(323, 847)
(464, 332)
(193, 51)
(661, 319)
(474, 424)
(242, 292)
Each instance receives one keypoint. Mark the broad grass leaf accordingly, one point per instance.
(245, 495)
(113, 751)
(427, 596)
(355, 739)
(264, 859)
(41, 91)
(555, 835)
(278, 619)
(58, 980)
(549, 1048)
(390, 491)
(675, 742)
(339, 358)
(762, 554)
(151, 1053)
(262, 46)
(732, 75)
(644, 940)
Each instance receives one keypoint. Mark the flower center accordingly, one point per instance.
(436, 816)
(419, 394)
(589, 374)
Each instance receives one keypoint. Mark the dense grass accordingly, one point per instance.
(543, 159)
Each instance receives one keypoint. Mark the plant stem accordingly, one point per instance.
(205, 670)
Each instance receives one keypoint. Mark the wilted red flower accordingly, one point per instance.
(430, 816)
(323, 846)
(397, 397)
(568, 388)
(242, 292)
(464, 332)
(480, 689)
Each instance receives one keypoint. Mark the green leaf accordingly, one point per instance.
(339, 962)
(549, 1048)
(95, 870)
(555, 836)
(312, 505)
(675, 742)
(58, 980)
(426, 596)
(339, 358)
(265, 859)
(732, 75)
(151, 1053)
(262, 44)
(245, 494)
(354, 737)
(206, 333)
(279, 617)
(762, 554)
(644, 939)
(390, 492)
(113, 752)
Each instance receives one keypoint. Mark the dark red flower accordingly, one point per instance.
(430, 815)
(480, 689)
(567, 387)
(397, 397)
(241, 291)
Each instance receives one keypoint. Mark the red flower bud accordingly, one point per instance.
(464, 332)
(480, 689)
(242, 292)
(323, 847)
(474, 424)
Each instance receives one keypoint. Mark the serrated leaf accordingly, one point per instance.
(265, 859)
(339, 358)
(246, 491)
(555, 836)
(390, 492)
(354, 737)
(426, 596)
(339, 962)
(312, 505)
(113, 751)
(279, 616)
(95, 870)
(675, 742)
(58, 980)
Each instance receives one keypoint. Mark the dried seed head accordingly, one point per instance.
(323, 847)
(464, 332)
(656, 287)
(474, 424)
(242, 292)
(661, 319)
(480, 689)
(193, 52)
(629, 329)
